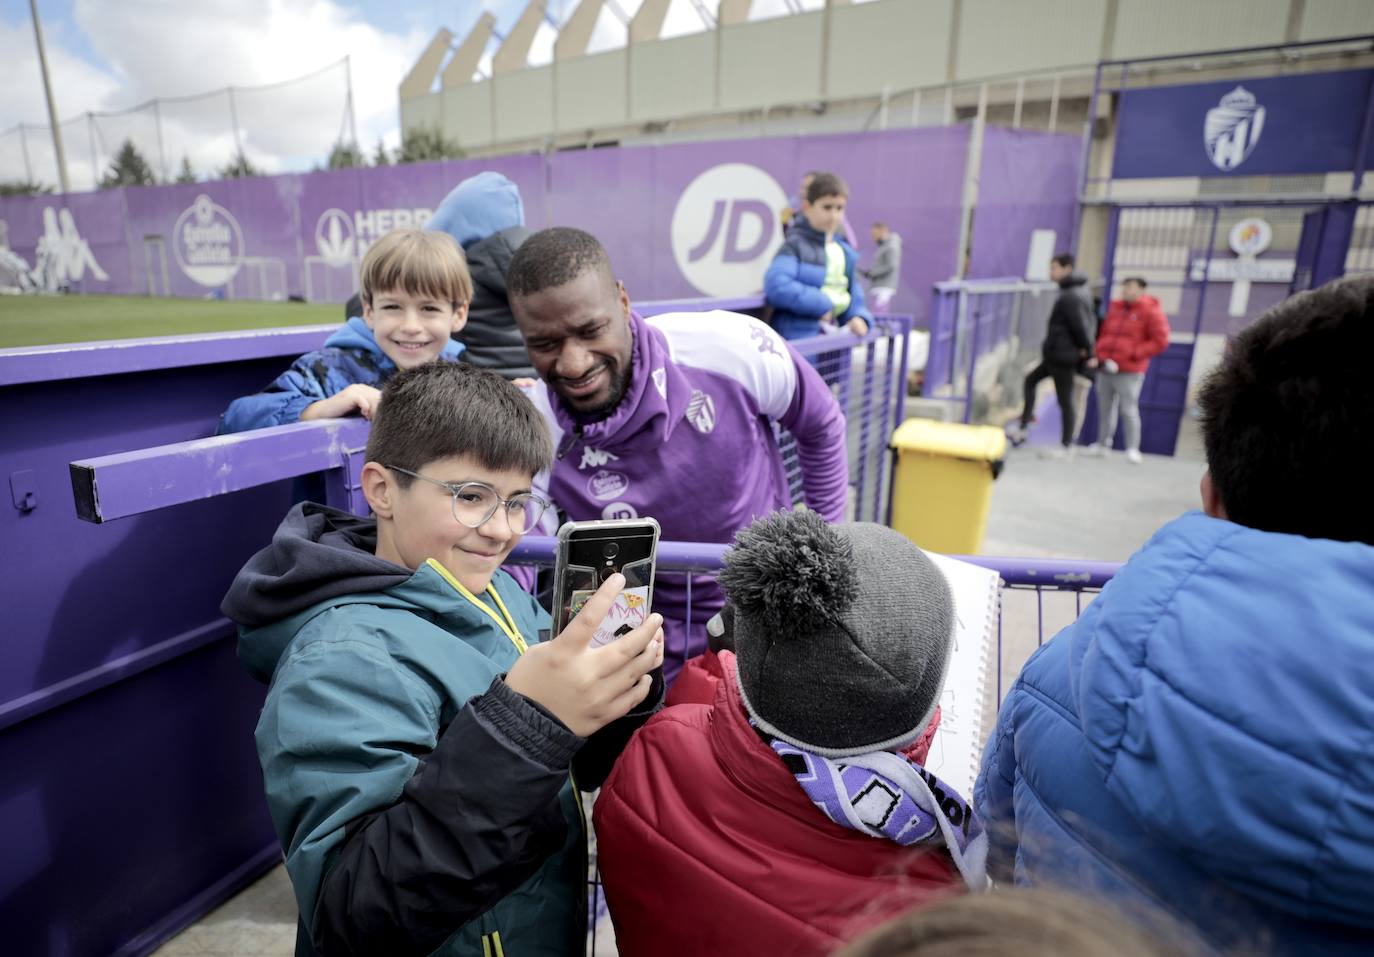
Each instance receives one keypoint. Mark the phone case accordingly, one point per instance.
(575, 581)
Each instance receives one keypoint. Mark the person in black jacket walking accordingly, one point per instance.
(1068, 343)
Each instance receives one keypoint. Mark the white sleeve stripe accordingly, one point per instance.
(738, 347)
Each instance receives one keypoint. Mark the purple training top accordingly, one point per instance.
(691, 444)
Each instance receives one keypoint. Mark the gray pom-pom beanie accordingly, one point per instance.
(842, 633)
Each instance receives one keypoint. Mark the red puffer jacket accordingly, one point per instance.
(708, 845)
(1133, 333)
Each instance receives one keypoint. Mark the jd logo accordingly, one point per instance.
(334, 237)
(725, 229)
(208, 242)
(1232, 129)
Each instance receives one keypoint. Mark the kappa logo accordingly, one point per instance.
(62, 254)
(766, 340)
(701, 412)
(595, 458)
(605, 485)
(334, 238)
(725, 229)
(660, 377)
(1232, 129)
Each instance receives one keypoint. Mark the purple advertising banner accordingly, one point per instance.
(1307, 123)
(694, 220)
(1026, 183)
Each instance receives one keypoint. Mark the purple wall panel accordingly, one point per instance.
(681, 221)
(1027, 182)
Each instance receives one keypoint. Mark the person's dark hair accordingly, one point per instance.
(1030, 922)
(555, 257)
(444, 409)
(1137, 280)
(1063, 259)
(880, 225)
(825, 184)
(1286, 416)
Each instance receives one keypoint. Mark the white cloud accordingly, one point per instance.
(169, 49)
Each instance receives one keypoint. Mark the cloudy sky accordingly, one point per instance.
(108, 56)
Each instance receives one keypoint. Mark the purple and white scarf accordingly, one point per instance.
(887, 796)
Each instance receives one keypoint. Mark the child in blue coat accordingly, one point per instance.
(1201, 737)
(811, 285)
(415, 291)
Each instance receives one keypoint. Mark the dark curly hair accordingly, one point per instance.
(555, 257)
(1288, 416)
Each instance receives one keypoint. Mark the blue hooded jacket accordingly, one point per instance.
(350, 355)
(793, 284)
(478, 207)
(1203, 738)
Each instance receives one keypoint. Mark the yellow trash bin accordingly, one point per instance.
(943, 483)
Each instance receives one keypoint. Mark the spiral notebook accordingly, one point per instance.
(968, 704)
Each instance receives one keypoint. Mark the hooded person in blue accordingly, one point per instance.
(419, 738)
(485, 215)
(415, 292)
(1201, 737)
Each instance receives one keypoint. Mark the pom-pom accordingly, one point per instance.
(791, 572)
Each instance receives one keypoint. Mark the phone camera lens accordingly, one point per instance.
(610, 549)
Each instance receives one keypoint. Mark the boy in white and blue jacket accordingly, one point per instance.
(812, 283)
(415, 292)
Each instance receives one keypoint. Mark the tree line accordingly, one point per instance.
(130, 167)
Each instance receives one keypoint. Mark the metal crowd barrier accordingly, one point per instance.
(1057, 588)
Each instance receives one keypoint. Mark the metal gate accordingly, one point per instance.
(1215, 267)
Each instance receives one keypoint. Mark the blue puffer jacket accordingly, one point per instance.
(1203, 737)
(792, 285)
(349, 355)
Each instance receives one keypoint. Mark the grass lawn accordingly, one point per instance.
(44, 320)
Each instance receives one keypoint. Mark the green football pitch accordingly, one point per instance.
(45, 320)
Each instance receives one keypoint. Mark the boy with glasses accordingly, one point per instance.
(418, 736)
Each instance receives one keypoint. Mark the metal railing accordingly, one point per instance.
(1056, 586)
(979, 328)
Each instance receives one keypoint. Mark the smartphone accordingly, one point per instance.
(591, 552)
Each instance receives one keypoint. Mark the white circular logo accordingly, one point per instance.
(726, 229)
(207, 242)
(619, 510)
(334, 237)
(1250, 237)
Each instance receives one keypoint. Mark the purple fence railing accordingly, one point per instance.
(868, 377)
(969, 319)
(1042, 577)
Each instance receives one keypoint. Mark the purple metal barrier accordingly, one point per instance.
(131, 801)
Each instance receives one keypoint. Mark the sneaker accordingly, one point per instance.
(1094, 451)
(1059, 453)
(1133, 456)
(1016, 435)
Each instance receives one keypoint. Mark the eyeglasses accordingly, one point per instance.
(474, 503)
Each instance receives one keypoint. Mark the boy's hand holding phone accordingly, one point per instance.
(584, 687)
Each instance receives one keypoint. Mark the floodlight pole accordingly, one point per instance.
(52, 110)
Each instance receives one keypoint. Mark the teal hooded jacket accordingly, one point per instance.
(423, 806)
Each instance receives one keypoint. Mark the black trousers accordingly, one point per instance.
(1063, 390)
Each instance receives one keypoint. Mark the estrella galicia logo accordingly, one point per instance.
(208, 242)
(1232, 129)
(725, 229)
(606, 485)
(334, 237)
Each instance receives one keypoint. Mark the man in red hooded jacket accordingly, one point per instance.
(1134, 332)
(793, 812)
